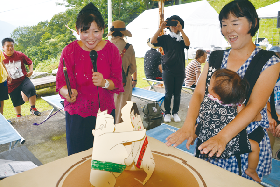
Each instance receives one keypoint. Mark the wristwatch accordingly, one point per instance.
(107, 84)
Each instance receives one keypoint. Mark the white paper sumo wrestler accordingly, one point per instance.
(140, 154)
(109, 153)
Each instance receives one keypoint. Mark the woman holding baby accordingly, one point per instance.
(239, 23)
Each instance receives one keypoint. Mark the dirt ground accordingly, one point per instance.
(48, 140)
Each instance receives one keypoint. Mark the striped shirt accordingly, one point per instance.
(191, 71)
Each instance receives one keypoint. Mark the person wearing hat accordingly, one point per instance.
(118, 32)
(173, 63)
(274, 119)
(152, 62)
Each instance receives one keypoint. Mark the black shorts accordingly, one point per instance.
(257, 134)
(4, 91)
(27, 88)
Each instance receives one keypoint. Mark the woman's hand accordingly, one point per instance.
(184, 133)
(163, 25)
(134, 83)
(64, 92)
(179, 26)
(277, 131)
(215, 145)
(97, 79)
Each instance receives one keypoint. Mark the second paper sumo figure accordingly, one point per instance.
(110, 155)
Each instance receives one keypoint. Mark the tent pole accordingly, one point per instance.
(161, 18)
(109, 16)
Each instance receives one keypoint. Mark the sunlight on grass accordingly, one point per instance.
(41, 105)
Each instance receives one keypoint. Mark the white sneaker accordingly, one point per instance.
(176, 118)
(167, 118)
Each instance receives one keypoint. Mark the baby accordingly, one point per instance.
(225, 98)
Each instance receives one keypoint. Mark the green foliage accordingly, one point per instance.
(43, 42)
(48, 65)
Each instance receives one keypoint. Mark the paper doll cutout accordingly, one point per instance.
(140, 155)
(109, 152)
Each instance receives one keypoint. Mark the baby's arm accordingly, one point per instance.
(257, 118)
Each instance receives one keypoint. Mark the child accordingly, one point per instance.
(3, 83)
(225, 98)
(90, 89)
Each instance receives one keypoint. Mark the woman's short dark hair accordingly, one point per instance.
(199, 53)
(87, 15)
(241, 8)
(231, 88)
(175, 17)
(117, 33)
(7, 40)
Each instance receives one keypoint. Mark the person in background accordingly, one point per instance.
(152, 63)
(4, 78)
(173, 63)
(239, 22)
(274, 119)
(118, 32)
(193, 69)
(91, 90)
(21, 89)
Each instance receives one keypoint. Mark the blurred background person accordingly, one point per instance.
(273, 111)
(152, 63)
(21, 89)
(118, 32)
(193, 69)
(173, 63)
(3, 83)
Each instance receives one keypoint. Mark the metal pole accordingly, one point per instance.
(109, 16)
(161, 18)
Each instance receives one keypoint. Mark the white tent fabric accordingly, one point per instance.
(201, 26)
(270, 11)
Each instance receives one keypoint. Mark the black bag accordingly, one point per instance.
(152, 115)
(124, 75)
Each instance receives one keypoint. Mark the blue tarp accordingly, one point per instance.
(7, 132)
(163, 131)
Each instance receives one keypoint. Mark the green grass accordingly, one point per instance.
(41, 105)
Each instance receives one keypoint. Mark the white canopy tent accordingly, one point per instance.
(201, 26)
(270, 11)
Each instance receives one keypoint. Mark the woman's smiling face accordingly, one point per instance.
(91, 37)
(235, 29)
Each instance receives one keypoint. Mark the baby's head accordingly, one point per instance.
(228, 87)
(88, 15)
